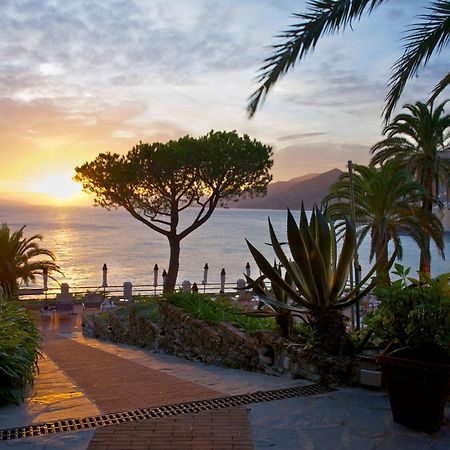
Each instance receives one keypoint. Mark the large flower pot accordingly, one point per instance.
(417, 391)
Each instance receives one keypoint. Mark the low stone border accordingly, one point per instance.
(224, 345)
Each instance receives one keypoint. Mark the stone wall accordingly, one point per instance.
(278, 356)
(137, 330)
(219, 344)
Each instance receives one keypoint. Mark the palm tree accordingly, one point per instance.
(419, 140)
(385, 204)
(430, 34)
(21, 259)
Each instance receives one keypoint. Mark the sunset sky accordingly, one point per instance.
(82, 77)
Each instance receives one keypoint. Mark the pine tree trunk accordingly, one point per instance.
(174, 264)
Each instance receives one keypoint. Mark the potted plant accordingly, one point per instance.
(414, 318)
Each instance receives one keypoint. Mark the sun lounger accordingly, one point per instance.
(64, 307)
(92, 301)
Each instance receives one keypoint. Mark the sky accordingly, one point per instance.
(82, 77)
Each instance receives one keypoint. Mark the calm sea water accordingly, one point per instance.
(84, 238)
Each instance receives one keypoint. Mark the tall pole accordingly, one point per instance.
(356, 265)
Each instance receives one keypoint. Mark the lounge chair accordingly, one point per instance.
(64, 307)
(92, 301)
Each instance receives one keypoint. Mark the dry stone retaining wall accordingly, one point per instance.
(220, 344)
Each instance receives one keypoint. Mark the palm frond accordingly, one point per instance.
(437, 90)
(324, 17)
(429, 35)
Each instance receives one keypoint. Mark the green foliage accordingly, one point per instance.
(156, 182)
(19, 351)
(21, 259)
(317, 271)
(145, 307)
(415, 315)
(430, 34)
(385, 208)
(202, 307)
(317, 276)
(267, 308)
(418, 139)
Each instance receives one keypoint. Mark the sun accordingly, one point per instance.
(59, 188)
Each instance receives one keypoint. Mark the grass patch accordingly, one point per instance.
(19, 351)
(202, 307)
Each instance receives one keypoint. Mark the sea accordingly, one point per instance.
(85, 238)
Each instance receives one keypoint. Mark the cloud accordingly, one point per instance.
(297, 136)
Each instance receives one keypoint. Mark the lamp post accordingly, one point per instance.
(357, 267)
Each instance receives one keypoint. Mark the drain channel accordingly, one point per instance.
(63, 426)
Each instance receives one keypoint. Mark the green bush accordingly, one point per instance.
(414, 316)
(202, 307)
(19, 351)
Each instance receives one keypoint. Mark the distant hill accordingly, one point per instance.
(289, 194)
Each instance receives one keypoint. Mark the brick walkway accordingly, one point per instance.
(116, 384)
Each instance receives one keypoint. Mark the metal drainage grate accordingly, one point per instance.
(105, 420)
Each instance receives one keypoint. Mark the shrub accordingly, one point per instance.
(202, 307)
(19, 351)
(414, 316)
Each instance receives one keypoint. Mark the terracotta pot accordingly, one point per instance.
(417, 391)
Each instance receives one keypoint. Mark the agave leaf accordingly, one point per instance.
(284, 259)
(279, 305)
(255, 285)
(301, 257)
(316, 265)
(348, 301)
(270, 272)
(324, 238)
(344, 263)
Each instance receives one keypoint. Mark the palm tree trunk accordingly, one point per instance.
(382, 259)
(427, 205)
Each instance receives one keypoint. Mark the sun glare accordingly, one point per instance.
(59, 188)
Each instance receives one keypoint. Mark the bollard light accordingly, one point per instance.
(155, 275)
(247, 269)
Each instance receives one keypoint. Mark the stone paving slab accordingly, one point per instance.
(349, 418)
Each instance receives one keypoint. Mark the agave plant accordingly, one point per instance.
(318, 275)
(268, 308)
